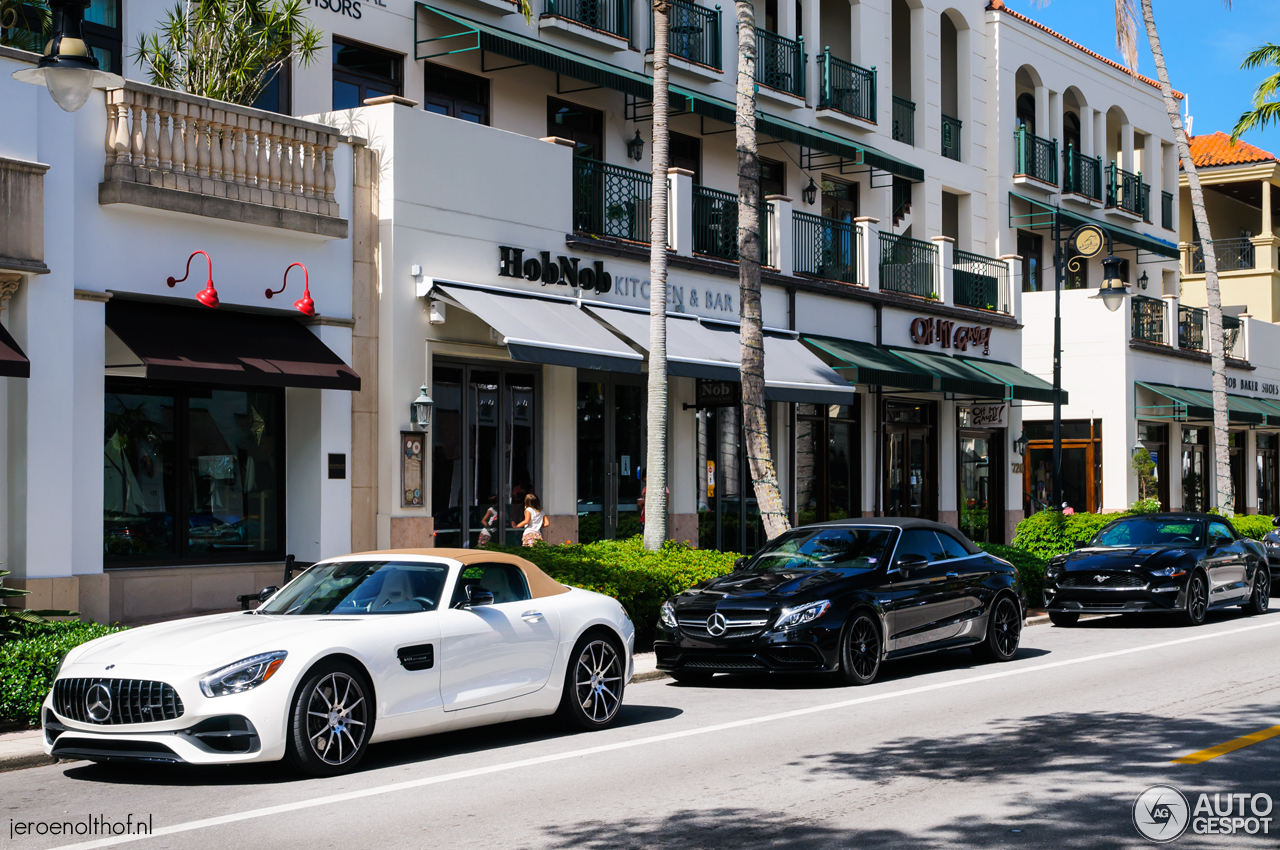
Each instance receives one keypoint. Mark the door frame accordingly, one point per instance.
(823, 421)
(996, 439)
(929, 508)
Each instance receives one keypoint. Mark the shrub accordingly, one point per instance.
(27, 664)
(1145, 506)
(641, 580)
(1030, 569)
(1255, 527)
(1050, 533)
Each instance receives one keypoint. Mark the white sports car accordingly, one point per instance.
(356, 650)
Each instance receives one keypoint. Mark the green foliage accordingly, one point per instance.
(1030, 569)
(1145, 506)
(24, 25)
(27, 664)
(1050, 533)
(641, 580)
(12, 620)
(1266, 106)
(1144, 467)
(228, 49)
(1254, 527)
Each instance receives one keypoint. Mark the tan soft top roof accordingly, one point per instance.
(540, 584)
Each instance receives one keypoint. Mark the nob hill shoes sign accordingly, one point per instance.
(563, 270)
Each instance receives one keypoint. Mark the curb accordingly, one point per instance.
(21, 761)
(648, 676)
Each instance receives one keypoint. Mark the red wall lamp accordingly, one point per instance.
(304, 305)
(208, 296)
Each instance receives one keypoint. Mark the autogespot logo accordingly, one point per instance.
(1161, 813)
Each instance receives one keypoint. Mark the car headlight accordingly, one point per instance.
(1169, 572)
(243, 675)
(802, 614)
(668, 615)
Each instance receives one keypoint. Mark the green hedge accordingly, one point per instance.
(27, 664)
(1030, 569)
(1255, 527)
(641, 580)
(1050, 533)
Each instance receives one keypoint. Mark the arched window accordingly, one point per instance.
(1071, 131)
(1027, 112)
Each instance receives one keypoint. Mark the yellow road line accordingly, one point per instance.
(1228, 747)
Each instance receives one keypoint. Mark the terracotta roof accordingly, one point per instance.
(998, 6)
(1216, 149)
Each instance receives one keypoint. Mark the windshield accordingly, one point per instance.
(825, 548)
(1140, 531)
(361, 587)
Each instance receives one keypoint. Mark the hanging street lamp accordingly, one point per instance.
(68, 68)
(420, 409)
(809, 193)
(635, 147)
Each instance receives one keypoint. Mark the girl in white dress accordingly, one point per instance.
(534, 520)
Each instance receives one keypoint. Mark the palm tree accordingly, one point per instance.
(655, 505)
(1264, 111)
(755, 422)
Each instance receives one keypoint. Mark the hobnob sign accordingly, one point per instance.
(718, 393)
(947, 334)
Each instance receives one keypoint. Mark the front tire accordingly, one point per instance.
(860, 650)
(1064, 619)
(1197, 601)
(1260, 600)
(593, 684)
(1004, 631)
(331, 720)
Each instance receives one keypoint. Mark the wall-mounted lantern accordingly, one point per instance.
(420, 409)
(810, 193)
(635, 147)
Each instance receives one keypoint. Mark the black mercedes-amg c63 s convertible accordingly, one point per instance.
(1185, 563)
(843, 597)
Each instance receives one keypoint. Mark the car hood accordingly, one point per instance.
(1123, 557)
(769, 584)
(200, 641)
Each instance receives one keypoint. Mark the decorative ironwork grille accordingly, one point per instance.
(907, 266)
(825, 247)
(610, 200)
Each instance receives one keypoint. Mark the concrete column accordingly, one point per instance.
(682, 437)
(680, 211)
(786, 22)
(1014, 264)
(86, 497)
(812, 46)
(942, 279)
(1086, 131)
(1042, 111)
(948, 509)
(1175, 466)
(560, 452)
(1126, 147)
(868, 251)
(1242, 347)
(921, 59)
(1250, 471)
(781, 235)
(1099, 135)
(1170, 320)
(1267, 226)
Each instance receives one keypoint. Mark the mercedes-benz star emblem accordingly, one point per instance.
(97, 702)
(716, 625)
(1099, 579)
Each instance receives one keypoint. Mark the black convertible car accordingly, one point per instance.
(1181, 562)
(843, 597)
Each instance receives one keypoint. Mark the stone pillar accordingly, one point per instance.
(560, 452)
(86, 497)
(812, 45)
(1250, 471)
(1014, 263)
(1126, 147)
(680, 211)
(1086, 131)
(868, 252)
(1170, 320)
(1175, 466)
(362, 466)
(942, 275)
(781, 235)
(1043, 128)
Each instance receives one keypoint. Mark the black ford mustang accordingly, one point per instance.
(842, 597)
(1182, 562)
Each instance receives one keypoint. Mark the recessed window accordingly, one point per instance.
(361, 72)
(773, 178)
(277, 94)
(686, 152)
(583, 126)
(839, 200)
(456, 94)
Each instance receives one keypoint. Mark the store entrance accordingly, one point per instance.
(827, 472)
(910, 471)
(981, 496)
(611, 452)
(728, 516)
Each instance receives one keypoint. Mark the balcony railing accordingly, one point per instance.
(611, 16)
(1148, 319)
(904, 121)
(780, 62)
(1125, 190)
(980, 282)
(951, 137)
(907, 266)
(695, 33)
(1191, 328)
(1166, 210)
(1034, 156)
(825, 247)
(847, 88)
(715, 223)
(1232, 255)
(609, 200)
(1081, 174)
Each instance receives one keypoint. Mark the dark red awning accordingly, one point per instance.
(13, 363)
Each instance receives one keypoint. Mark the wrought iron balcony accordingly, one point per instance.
(951, 137)
(847, 88)
(695, 33)
(1232, 255)
(1192, 322)
(611, 16)
(904, 121)
(1148, 319)
(610, 200)
(1125, 190)
(1081, 175)
(1035, 157)
(980, 282)
(715, 224)
(907, 266)
(780, 62)
(825, 247)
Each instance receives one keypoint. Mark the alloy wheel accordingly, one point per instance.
(336, 718)
(1197, 599)
(1006, 626)
(864, 647)
(598, 681)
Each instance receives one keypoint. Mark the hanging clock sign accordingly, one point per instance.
(1087, 241)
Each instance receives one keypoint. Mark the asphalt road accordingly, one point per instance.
(1049, 750)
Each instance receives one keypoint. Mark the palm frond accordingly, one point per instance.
(1266, 56)
(1127, 33)
(1256, 119)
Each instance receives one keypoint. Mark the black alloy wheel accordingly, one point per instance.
(593, 683)
(1197, 601)
(1064, 618)
(860, 650)
(1004, 631)
(331, 720)
(1260, 599)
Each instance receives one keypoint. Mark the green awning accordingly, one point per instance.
(864, 363)
(1042, 216)
(530, 51)
(1022, 384)
(954, 375)
(1270, 414)
(1187, 405)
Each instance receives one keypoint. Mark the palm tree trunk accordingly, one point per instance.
(655, 496)
(755, 422)
(1217, 353)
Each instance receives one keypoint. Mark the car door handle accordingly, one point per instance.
(953, 575)
(532, 616)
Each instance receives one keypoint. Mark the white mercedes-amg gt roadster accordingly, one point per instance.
(356, 650)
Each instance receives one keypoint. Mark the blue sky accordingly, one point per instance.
(1204, 44)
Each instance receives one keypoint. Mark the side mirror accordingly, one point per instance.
(267, 592)
(907, 563)
(477, 595)
(1081, 544)
(1276, 521)
(741, 562)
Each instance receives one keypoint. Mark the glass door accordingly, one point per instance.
(1268, 475)
(1194, 492)
(910, 483)
(981, 496)
(826, 463)
(728, 515)
(611, 451)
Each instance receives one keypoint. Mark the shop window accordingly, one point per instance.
(773, 178)
(583, 126)
(979, 458)
(361, 72)
(826, 463)
(1155, 438)
(839, 200)
(686, 152)
(1194, 469)
(1081, 465)
(1268, 474)
(456, 94)
(192, 475)
(1030, 246)
(277, 95)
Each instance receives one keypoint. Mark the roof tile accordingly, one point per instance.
(1216, 149)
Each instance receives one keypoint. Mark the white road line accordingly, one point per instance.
(640, 742)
